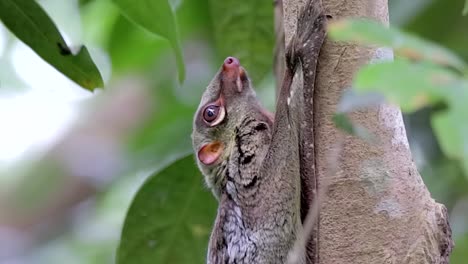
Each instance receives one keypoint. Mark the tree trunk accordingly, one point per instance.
(377, 208)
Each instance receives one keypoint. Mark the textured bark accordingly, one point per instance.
(377, 208)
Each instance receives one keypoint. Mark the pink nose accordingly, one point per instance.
(233, 72)
(231, 63)
(231, 68)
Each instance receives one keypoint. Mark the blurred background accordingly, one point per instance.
(71, 160)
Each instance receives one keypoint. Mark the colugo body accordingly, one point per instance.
(251, 161)
(258, 215)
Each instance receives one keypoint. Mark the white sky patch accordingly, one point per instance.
(66, 16)
(37, 117)
(40, 76)
(30, 120)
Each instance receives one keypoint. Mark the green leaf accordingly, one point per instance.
(84, 2)
(450, 142)
(157, 17)
(415, 85)
(373, 33)
(352, 100)
(245, 30)
(412, 86)
(170, 218)
(30, 23)
(133, 48)
(451, 126)
(98, 20)
(342, 122)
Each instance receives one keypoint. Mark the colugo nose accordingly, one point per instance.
(231, 67)
(232, 71)
(231, 62)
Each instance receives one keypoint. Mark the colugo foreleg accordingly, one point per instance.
(305, 48)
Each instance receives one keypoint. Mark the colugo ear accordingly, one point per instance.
(210, 153)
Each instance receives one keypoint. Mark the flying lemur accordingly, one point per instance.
(260, 167)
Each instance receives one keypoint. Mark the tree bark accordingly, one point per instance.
(377, 208)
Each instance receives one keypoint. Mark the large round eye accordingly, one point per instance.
(213, 114)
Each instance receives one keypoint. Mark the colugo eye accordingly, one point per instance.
(213, 114)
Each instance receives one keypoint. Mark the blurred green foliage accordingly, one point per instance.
(157, 233)
(157, 17)
(207, 32)
(28, 21)
(369, 32)
(246, 32)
